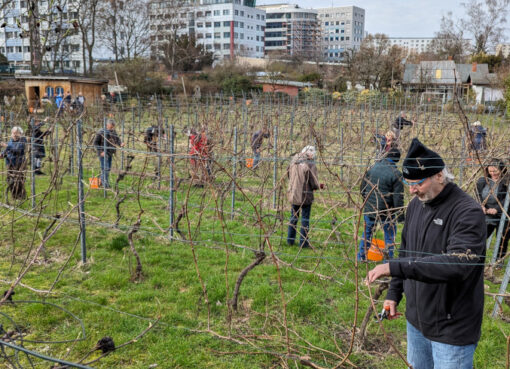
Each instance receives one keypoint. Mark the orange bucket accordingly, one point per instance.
(94, 183)
(376, 250)
(249, 162)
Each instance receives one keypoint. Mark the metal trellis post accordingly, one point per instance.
(81, 197)
(171, 195)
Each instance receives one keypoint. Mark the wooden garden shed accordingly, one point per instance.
(36, 87)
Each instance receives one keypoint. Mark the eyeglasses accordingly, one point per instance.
(414, 183)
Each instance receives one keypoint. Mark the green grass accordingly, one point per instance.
(103, 295)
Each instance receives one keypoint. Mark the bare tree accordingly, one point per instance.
(123, 26)
(134, 37)
(168, 19)
(376, 63)
(87, 23)
(449, 41)
(47, 26)
(485, 21)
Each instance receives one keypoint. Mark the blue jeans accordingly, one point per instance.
(305, 224)
(389, 228)
(256, 158)
(423, 353)
(106, 165)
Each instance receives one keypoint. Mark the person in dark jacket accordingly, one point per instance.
(14, 155)
(478, 137)
(303, 181)
(383, 191)
(440, 266)
(106, 143)
(152, 138)
(38, 146)
(491, 191)
(399, 123)
(256, 144)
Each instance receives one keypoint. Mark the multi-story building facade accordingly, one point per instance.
(504, 49)
(225, 27)
(343, 29)
(60, 42)
(416, 45)
(291, 30)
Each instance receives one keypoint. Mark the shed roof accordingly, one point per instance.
(284, 83)
(64, 78)
(445, 72)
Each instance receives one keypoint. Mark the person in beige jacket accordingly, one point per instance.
(303, 180)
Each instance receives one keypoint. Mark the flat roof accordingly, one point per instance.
(64, 78)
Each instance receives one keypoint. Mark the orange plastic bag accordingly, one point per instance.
(376, 250)
(94, 183)
(249, 162)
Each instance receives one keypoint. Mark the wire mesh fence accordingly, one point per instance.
(215, 199)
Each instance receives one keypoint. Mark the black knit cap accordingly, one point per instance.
(421, 162)
(394, 155)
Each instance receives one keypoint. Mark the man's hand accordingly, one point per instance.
(393, 309)
(382, 270)
(491, 211)
(102, 154)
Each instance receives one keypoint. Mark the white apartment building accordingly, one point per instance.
(291, 30)
(416, 45)
(225, 27)
(343, 29)
(15, 43)
(504, 49)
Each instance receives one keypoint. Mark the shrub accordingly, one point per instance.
(236, 85)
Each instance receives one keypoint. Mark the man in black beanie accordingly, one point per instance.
(440, 266)
(383, 191)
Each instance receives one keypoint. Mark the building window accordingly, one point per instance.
(208, 13)
(59, 90)
(226, 34)
(226, 24)
(226, 12)
(242, 13)
(216, 13)
(49, 91)
(226, 46)
(327, 23)
(76, 63)
(200, 25)
(208, 35)
(217, 34)
(208, 24)
(19, 49)
(217, 24)
(236, 12)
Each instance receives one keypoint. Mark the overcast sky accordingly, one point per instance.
(395, 18)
